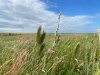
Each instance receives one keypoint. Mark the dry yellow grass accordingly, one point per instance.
(18, 63)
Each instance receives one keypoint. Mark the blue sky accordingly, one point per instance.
(78, 16)
(75, 7)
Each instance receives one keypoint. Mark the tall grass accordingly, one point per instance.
(73, 54)
(99, 34)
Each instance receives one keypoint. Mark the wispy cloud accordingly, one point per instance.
(27, 15)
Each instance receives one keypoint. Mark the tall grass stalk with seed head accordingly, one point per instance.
(18, 63)
(99, 33)
(57, 36)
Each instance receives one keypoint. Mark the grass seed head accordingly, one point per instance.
(18, 63)
(50, 51)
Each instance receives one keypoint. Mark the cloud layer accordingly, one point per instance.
(27, 15)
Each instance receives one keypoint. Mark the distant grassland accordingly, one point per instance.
(74, 54)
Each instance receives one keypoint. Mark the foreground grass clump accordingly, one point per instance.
(73, 54)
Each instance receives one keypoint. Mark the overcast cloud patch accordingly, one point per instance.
(27, 15)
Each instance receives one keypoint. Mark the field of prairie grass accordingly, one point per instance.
(39, 54)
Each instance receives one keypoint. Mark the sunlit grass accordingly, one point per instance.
(75, 54)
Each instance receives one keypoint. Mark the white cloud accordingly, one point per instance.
(27, 15)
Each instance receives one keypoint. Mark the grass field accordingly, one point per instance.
(71, 54)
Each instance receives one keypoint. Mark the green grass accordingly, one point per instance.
(74, 54)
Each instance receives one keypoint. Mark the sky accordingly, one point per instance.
(78, 16)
